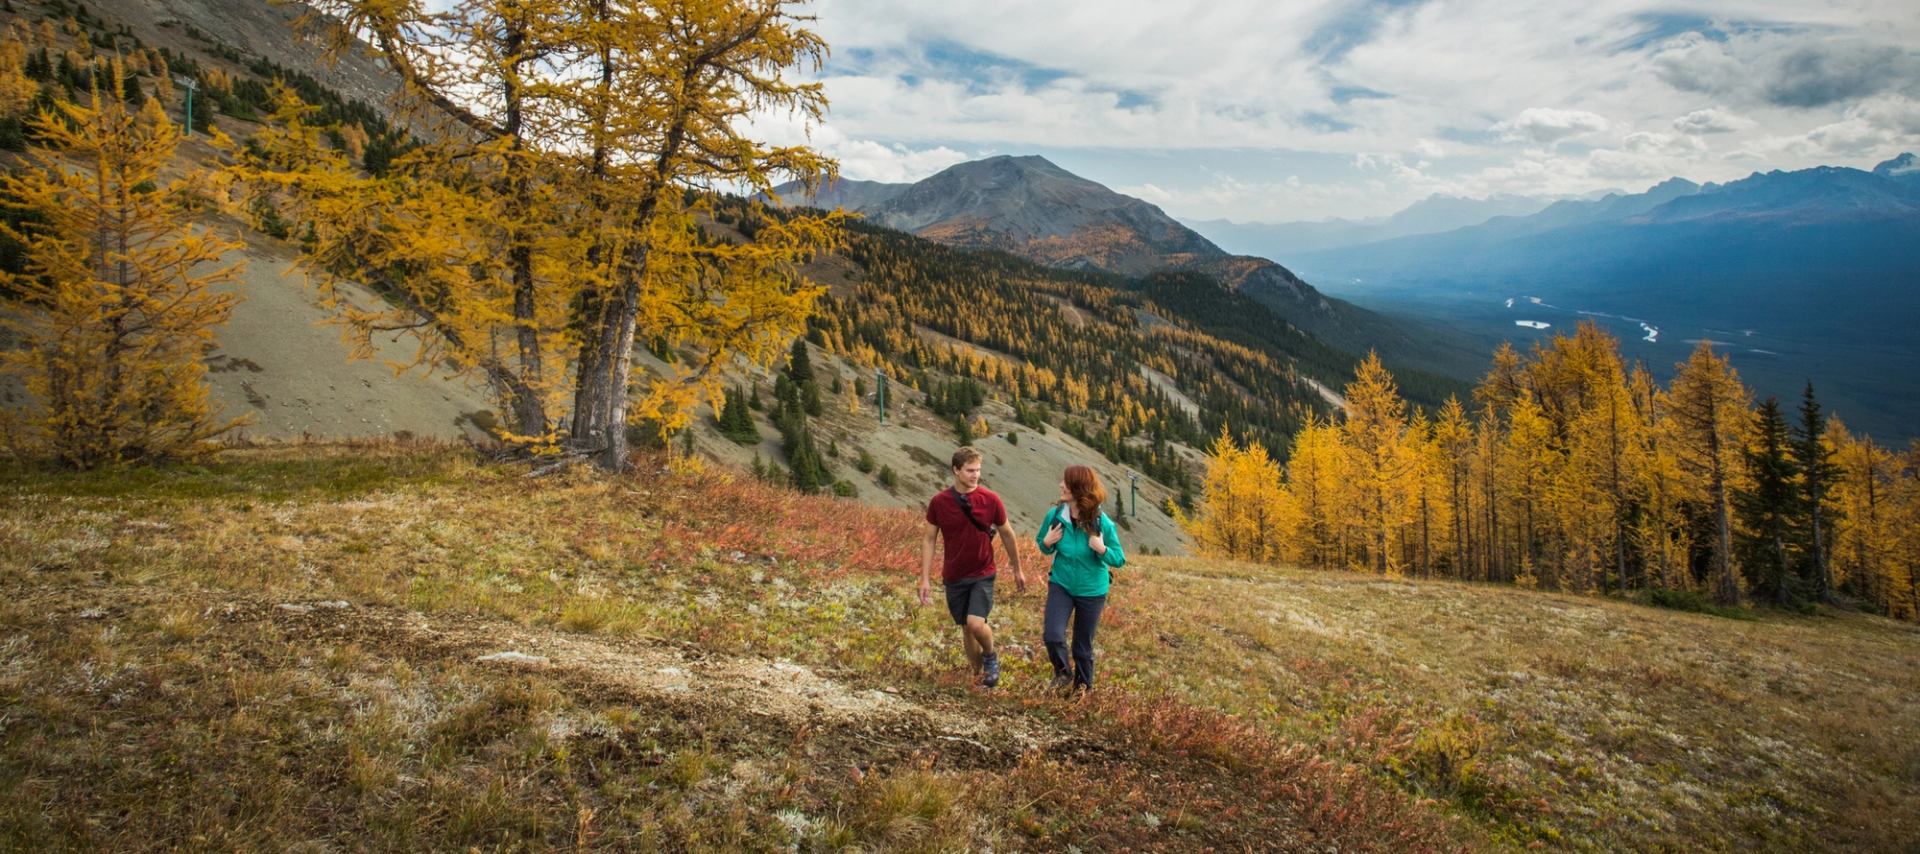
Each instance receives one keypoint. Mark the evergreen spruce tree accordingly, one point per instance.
(807, 472)
(810, 396)
(736, 421)
(132, 93)
(1813, 454)
(800, 374)
(1767, 508)
(786, 396)
(799, 366)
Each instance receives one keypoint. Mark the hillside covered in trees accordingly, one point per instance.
(1132, 367)
(1573, 471)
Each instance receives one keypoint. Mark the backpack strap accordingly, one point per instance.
(967, 511)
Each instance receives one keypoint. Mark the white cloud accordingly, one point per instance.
(1470, 97)
(1711, 120)
(1546, 125)
(860, 158)
(1664, 144)
(867, 160)
(1789, 69)
(1147, 192)
(1391, 164)
(1875, 129)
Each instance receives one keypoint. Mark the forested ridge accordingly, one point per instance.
(1572, 470)
(1072, 344)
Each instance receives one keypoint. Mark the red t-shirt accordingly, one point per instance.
(969, 551)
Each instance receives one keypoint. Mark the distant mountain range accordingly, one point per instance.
(1809, 273)
(1433, 214)
(1814, 233)
(1804, 274)
(1029, 207)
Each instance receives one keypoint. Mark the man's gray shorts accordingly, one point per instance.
(970, 598)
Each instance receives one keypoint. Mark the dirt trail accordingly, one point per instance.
(791, 694)
(1333, 398)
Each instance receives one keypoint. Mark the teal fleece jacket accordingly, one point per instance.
(1075, 567)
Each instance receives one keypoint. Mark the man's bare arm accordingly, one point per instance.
(928, 541)
(1009, 539)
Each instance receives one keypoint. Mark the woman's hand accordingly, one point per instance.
(1054, 534)
(1097, 543)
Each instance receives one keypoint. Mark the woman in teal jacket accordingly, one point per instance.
(1085, 549)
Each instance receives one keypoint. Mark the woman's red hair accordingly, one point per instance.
(1084, 484)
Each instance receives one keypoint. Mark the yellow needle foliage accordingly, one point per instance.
(1244, 513)
(16, 88)
(1577, 474)
(555, 216)
(115, 308)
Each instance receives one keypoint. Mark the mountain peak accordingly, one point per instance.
(1674, 186)
(1012, 165)
(1903, 166)
(1019, 159)
(1028, 205)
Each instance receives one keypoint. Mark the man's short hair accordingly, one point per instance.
(963, 456)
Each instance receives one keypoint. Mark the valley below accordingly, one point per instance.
(1867, 375)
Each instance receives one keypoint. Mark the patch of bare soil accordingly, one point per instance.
(1163, 798)
(782, 695)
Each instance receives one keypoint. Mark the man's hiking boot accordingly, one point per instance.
(990, 666)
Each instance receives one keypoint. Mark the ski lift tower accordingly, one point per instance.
(191, 83)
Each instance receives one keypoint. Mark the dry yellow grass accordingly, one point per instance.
(145, 655)
(1586, 722)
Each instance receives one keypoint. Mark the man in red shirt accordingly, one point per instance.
(965, 519)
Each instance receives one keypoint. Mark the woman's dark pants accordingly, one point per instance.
(1085, 611)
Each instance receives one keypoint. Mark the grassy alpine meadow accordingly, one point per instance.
(394, 645)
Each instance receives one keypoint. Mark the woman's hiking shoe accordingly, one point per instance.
(1060, 681)
(990, 664)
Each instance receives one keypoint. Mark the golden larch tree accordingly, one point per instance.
(115, 308)
(1317, 467)
(561, 214)
(1528, 461)
(1706, 414)
(1374, 433)
(17, 90)
(1866, 521)
(1427, 529)
(1604, 444)
(1242, 513)
(1903, 570)
(1453, 441)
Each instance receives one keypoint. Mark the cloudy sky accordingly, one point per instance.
(1276, 110)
